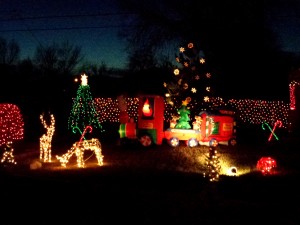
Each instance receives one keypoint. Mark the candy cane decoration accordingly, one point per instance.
(272, 130)
(85, 129)
(277, 123)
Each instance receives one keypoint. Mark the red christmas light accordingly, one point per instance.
(11, 124)
(266, 165)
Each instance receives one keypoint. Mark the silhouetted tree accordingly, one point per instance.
(57, 58)
(9, 51)
(225, 30)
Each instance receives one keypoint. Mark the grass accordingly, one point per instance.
(156, 185)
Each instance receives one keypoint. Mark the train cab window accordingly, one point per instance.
(148, 108)
(215, 129)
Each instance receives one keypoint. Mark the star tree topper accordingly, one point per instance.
(84, 80)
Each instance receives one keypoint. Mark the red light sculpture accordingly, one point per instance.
(266, 165)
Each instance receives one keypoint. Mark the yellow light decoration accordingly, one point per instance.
(181, 49)
(46, 139)
(8, 155)
(206, 99)
(176, 72)
(232, 171)
(78, 149)
(202, 61)
(193, 90)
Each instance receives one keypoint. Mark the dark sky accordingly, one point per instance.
(284, 18)
(93, 26)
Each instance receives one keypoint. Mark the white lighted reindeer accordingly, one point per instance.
(46, 139)
(78, 148)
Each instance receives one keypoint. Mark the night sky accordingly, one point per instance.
(284, 18)
(93, 26)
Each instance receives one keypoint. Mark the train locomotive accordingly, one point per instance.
(209, 128)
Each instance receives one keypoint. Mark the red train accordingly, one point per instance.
(208, 128)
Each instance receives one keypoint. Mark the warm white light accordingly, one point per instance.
(84, 80)
(78, 148)
(46, 139)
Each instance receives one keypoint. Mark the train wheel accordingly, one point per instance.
(146, 140)
(192, 142)
(174, 142)
(232, 142)
(213, 142)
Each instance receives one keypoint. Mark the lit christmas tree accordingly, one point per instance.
(212, 163)
(83, 111)
(11, 130)
(184, 112)
(192, 78)
(11, 124)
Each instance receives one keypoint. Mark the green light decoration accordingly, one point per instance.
(184, 112)
(277, 123)
(83, 111)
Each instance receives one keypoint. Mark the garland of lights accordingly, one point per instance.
(248, 111)
(292, 87)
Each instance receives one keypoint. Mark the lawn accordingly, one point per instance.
(156, 185)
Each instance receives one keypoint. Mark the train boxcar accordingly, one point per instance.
(218, 126)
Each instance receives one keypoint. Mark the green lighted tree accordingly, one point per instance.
(83, 111)
(184, 112)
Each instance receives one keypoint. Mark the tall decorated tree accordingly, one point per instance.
(84, 113)
(191, 80)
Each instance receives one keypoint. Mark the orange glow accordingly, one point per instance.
(147, 111)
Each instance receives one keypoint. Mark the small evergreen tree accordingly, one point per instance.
(212, 164)
(83, 111)
(184, 112)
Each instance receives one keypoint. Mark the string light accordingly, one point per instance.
(46, 139)
(248, 111)
(78, 149)
(11, 124)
